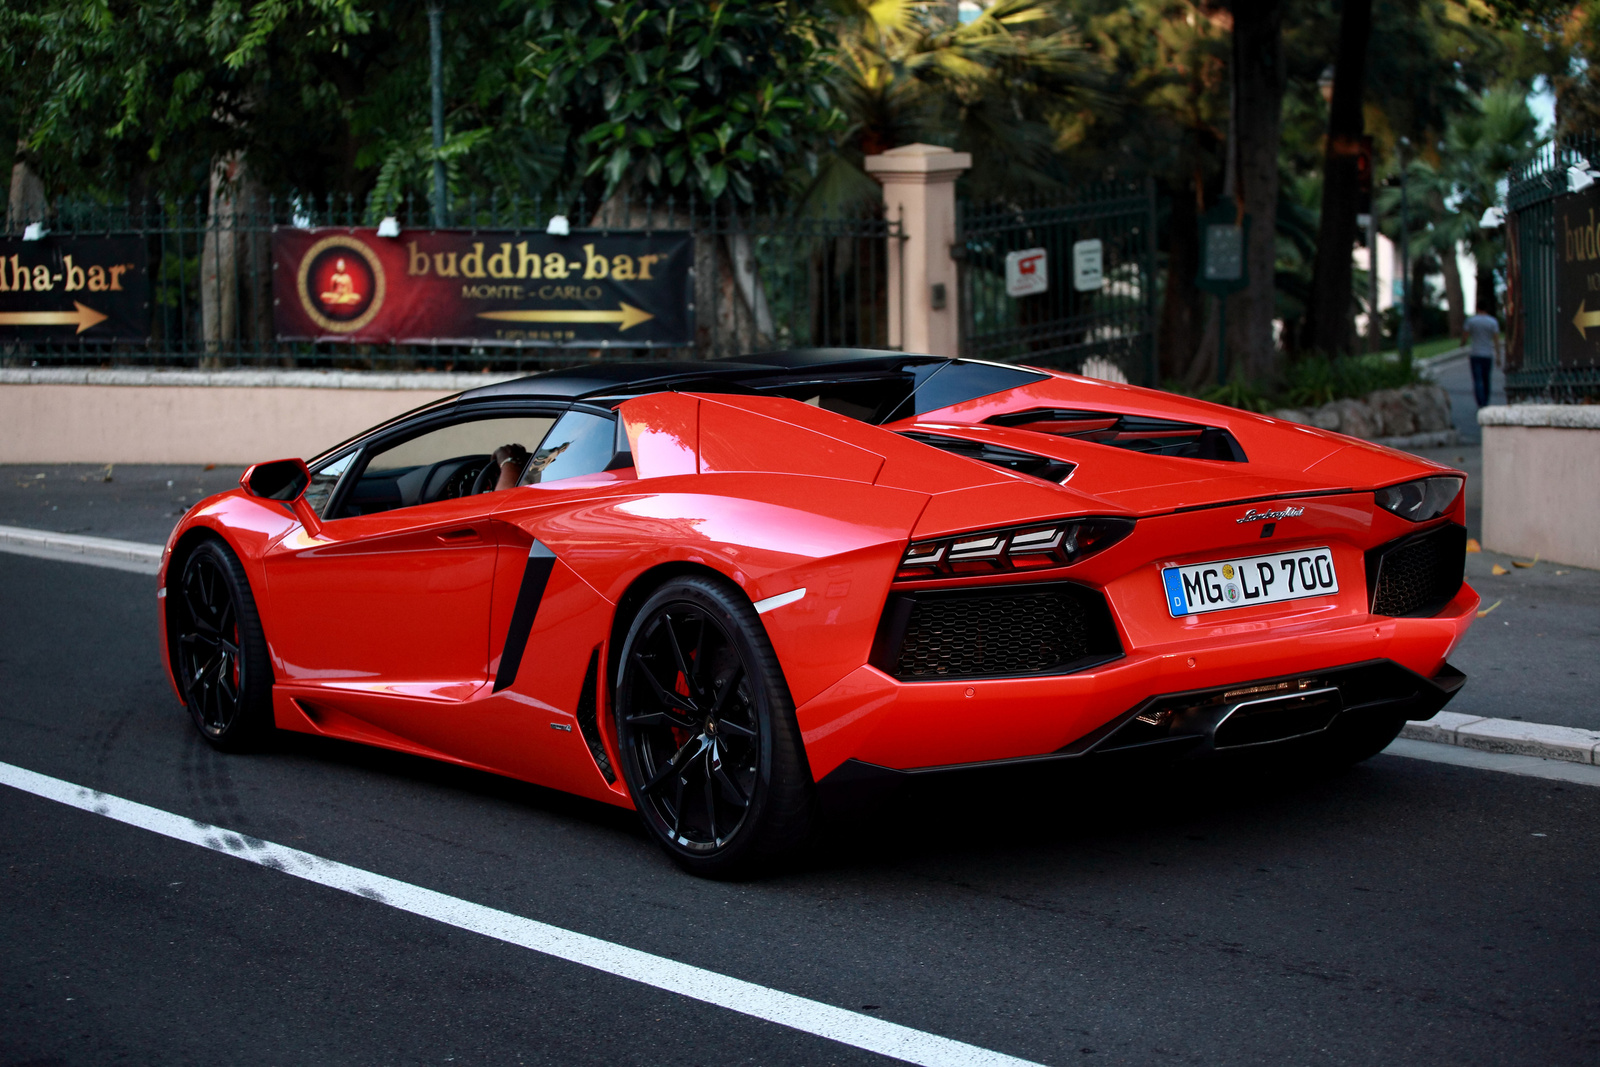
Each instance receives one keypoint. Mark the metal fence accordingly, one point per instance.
(1534, 368)
(764, 280)
(1063, 327)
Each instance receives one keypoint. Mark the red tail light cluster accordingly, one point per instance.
(1019, 548)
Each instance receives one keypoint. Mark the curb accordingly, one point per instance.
(86, 549)
(1508, 736)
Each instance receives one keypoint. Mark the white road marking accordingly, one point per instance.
(764, 606)
(747, 998)
(1527, 766)
(136, 556)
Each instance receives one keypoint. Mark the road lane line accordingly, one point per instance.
(136, 556)
(747, 998)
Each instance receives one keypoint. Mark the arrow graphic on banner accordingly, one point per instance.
(1585, 321)
(83, 318)
(625, 316)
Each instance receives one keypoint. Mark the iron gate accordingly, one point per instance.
(1534, 367)
(1066, 327)
(765, 279)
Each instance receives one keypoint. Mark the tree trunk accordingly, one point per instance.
(732, 314)
(219, 257)
(1486, 294)
(27, 201)
(1258, 79)
(1454, 300)
(1182, 307)
(1329, 326)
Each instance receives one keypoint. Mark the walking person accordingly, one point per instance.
(1481, 333)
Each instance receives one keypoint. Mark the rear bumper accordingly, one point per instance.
(871, 718)
(1251, 716)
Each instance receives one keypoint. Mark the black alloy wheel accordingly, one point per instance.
(219, 653)
(706, 728)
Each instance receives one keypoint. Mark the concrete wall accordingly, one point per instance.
(197, 417)
(1541, 482)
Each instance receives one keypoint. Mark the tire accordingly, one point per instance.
(706, 729)
(1350, 741)
(219, 654)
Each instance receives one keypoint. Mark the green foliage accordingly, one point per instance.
(1448, 194)
(125, 97)
(708, 95)
(1310, 381)
(1002, 87)
(1315, 379)
(1238, 394)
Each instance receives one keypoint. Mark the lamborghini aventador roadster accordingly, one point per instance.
(709, 591)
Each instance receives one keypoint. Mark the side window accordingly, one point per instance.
(323, 479)
(580, 443)
(442, 464)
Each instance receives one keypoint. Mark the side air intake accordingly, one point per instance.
(995, 632)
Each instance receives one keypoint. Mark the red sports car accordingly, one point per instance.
(709, 591)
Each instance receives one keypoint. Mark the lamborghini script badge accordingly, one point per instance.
(1262, 516)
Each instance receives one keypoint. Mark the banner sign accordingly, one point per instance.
(75, 289)
(585, 290)
(1577, 278)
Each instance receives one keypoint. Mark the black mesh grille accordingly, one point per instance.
(588, 718)
(993, 633)
(1418, 575)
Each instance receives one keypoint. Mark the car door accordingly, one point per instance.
(386, 604)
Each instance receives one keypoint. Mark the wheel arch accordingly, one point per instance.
(634, 597)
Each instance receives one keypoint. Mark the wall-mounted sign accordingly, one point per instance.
(1224, 233)
(75, 289)
(1027, 272)
(1224, 253)
(1088, 265)
(1577, 233)
(584, 290)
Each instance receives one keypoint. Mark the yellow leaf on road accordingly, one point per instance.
(1488, 609)
(1497, 569)
(1519, 563)
(1473, 546)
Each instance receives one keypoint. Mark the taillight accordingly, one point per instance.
(1019, 548)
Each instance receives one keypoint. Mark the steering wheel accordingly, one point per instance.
(486, 477)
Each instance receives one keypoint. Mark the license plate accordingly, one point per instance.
(1237, 583)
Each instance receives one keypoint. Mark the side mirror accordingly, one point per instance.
(281, 479)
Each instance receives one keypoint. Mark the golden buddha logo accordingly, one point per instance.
(341, 284)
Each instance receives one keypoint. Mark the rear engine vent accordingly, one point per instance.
(1051, 470)
(1417, 575)
(995, 632)
(1137, 433)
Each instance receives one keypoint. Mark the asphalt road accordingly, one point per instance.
(1533, 658)
(1455, 374)
(1400, 912)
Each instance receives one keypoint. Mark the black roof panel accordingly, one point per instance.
(629, 376)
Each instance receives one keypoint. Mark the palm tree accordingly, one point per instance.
(999, 87)
(1479, 147)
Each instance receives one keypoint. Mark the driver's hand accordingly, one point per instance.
(510, 452)
(509, 460)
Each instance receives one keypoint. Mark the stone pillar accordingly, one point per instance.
(919, 189)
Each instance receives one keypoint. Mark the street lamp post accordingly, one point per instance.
(1403, 342)
(436, 61)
